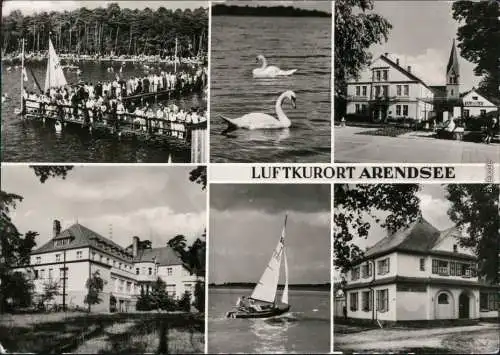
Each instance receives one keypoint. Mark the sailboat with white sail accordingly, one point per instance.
(262, 302)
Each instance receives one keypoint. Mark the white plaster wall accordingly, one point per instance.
(411, 305)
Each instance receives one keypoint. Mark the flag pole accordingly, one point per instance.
(175, 58)
(22, 75)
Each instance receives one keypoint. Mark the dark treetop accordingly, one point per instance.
(265, 11)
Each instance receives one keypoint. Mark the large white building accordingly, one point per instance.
(418, 273)
(387, 90)
(74, 254)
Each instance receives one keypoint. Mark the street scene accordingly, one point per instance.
(414, 270)
(416, 94)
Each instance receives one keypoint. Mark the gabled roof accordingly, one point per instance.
(164, 256)
(404, 71)
(420, 236)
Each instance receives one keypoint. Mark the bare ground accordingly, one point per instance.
(477, 339)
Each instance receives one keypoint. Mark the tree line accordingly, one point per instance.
(109, 30)
(265, 11)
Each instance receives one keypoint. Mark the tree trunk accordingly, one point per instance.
(130, 40)
(116, 37)
(163, 347)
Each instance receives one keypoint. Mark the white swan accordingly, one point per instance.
(269, 71)
(258, 120)
(58, 126)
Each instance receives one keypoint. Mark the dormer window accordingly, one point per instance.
(474, 97)
(61, 242)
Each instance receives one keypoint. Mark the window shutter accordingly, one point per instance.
(388, 265)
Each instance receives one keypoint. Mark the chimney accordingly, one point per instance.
(409, 68)
(397, 61)
(386, 54)
(56, 228)
(135, 245)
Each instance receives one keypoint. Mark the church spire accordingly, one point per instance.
(453, 74)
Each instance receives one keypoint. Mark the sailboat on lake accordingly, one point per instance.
(262, 302)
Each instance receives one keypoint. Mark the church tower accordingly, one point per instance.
(452, 75)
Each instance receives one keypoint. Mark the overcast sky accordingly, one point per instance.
(422, 36)
(245, 226)
(30, 7)
(434, 206)
(154, 203)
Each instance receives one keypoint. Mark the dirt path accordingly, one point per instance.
(482, 338)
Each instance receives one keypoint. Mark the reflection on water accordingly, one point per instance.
(300, 331)
(29, 141)
(236, 41)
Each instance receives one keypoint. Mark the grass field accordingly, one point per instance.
(101, 333)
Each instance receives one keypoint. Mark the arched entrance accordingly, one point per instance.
(463, 306)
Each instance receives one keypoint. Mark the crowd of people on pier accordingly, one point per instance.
(121, 102)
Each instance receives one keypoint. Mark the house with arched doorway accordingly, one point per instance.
(418, 273)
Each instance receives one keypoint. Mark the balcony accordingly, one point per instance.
(358, 98)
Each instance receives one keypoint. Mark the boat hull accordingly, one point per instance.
(273, 312)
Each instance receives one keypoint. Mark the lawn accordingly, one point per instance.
(101, 333)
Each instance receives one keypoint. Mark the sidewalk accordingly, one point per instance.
(413, 147)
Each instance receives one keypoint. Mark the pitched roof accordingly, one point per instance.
(83, 237)
(404, 71)
(418, 236)
(165, 256)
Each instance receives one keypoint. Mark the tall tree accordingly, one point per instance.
(94, 285)
(475, 210)
(357, 27)
(479, 29)
(353, 204)
(199, 175)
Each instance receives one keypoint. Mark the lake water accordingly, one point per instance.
(305, 329)
(289, 43)
(30, 141)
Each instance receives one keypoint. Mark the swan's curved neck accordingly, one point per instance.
(279, 110)
(264, 62)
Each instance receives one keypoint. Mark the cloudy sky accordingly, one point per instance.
(434, 206)
(154, 203)
(325, 6)
(30, 7)
(421, 37)
(245, 226)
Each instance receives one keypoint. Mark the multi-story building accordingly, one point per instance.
(418, 273)
(387, 90)
(76, 253)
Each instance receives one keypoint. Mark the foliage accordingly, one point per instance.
(352, 206)
(193, 257)
(95, 285)
(184, 303)
(357, 27)
(199, 296)
(474, 209)
(46, 171)
(50, 290)
(157, 298)
(265, 11)
(16, 290)
(479, 28)
(111, 29)
(199, 175)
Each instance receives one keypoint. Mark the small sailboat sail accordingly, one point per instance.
(284, 296)
(268, 283)
(54, 76)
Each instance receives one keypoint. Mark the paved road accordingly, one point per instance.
(482, 338)
(351, 147)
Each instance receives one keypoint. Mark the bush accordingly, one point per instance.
(184, 303)
(199, 296)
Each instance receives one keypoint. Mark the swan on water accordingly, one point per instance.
(271, 71)
(259, 120)
(58, 126)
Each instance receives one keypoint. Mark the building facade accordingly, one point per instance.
(419, 273)
(387, 90)
(76, 253)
